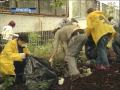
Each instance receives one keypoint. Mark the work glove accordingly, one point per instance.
(23, 55)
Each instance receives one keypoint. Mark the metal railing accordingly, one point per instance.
(40, 38)
(36, 38)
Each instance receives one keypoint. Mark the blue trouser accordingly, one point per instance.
(101, 50)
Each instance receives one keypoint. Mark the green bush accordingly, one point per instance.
(41, 51)
(8, 82)
(37, 49)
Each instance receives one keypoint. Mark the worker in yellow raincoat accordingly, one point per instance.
(102, 32)
(13, 56)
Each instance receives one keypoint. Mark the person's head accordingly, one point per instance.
(23, 39)
(12, 24)
(110, 18)
(90, 10)
(65, 20)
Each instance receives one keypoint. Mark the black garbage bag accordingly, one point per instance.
(38, 74)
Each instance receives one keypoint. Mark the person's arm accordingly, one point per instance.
(15, 35)
(102, 17)
(56, 45)
(26, 51)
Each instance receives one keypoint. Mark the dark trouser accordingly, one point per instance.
(19, 71)
(101, 50)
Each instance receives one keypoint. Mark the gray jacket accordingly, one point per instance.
(63, 35)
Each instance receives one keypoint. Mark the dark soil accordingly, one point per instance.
(98, 80)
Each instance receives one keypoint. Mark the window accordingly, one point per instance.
(4, 5)
(83, 8)
(76, 8)
(45, 7)
(42, 6)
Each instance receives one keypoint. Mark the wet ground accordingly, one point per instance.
(98, 80)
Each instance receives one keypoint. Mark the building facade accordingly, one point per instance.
(46, 16)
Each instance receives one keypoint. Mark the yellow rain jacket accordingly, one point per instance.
(98, 27)
(8, 56)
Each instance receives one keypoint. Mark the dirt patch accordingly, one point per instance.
(99, 80)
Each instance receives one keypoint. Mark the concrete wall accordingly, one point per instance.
(30, 23)
(33, 23)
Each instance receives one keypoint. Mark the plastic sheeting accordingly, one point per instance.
(38, 74)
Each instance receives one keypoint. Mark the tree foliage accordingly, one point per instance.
(110, 9)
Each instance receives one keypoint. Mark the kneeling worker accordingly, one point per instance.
(12, 58)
